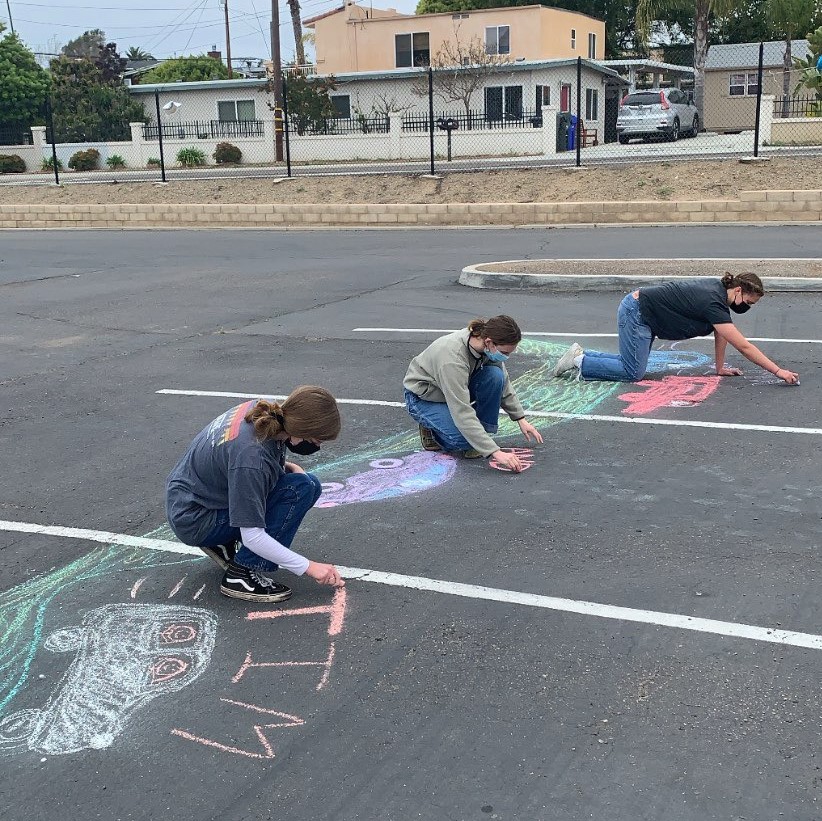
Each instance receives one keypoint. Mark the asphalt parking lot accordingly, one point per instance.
(627, 630)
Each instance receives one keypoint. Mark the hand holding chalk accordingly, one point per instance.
(789, 377)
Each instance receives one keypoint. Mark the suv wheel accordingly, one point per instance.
(623, 140)
(695, 127)
(674, 135)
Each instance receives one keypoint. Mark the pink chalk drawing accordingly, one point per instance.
(669, 392)
(336, 618)
(390, 478)
(525, 455)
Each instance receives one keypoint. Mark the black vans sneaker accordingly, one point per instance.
(223, 554)
(245, 583)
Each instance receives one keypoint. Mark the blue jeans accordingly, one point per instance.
(635, 340)
(484, 388)
(291, 498)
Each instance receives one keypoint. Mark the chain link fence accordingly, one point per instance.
(749, 99)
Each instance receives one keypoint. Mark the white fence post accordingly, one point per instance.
(549, 129)
(138, 143)
(270, 140)
(765, 118)
(38, 136)
(395, 135)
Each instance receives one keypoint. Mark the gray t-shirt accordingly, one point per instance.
(684, 308)
(226, 468)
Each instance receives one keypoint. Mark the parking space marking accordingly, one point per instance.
(585, 417)
(570, 335)
(470, 591)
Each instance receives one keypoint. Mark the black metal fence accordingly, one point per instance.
(204, 129)
(801, 106)
(15, 135)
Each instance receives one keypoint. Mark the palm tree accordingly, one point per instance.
(647, 11)
(296, 24)
(787, 18)
(135, 53)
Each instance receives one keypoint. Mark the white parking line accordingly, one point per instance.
(569, 335)
(471, 591)
(584, 417)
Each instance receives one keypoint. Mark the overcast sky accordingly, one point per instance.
(165, 28)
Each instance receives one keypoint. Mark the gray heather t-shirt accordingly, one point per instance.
(684, 308)
(226, 468)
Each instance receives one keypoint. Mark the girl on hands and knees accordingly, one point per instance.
(234, 495)
(681, 309)
(455, 388)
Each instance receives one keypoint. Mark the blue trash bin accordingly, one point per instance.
(572, 133)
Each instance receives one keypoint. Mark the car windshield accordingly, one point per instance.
(643, 98)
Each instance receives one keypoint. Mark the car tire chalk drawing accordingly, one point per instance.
(126, 656)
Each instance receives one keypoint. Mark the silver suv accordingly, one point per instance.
(657, 112)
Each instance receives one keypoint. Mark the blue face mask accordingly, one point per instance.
(496, 356)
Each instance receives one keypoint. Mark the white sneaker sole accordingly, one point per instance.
(239, 594)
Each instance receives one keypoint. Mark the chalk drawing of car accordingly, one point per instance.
(126, 656)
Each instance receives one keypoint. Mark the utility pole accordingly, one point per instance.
(227, 40)
(277, 68)
(11, 22)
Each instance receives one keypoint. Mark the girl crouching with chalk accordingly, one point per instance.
(234, 495)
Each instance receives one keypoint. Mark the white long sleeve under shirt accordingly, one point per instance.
(259, 542)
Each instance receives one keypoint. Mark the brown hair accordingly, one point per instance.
(749, 283)
(309, 413)
(501, 330)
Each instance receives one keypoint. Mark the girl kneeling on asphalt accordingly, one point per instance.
(235, 497)
(681, 309)
(455, 388)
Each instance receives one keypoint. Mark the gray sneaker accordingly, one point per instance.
(566, 361)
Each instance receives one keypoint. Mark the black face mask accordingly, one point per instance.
(304, 448)
(742, 308)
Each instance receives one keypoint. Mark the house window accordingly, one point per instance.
(744, 84)
(591, 104)
(565, 97)
(497, 40)
(592, 46)
(503, 102)
(543, 96)
(573, 38)
(232, 111)
(412, 49)
(342, 106)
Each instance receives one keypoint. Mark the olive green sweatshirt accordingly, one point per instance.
(441, 374)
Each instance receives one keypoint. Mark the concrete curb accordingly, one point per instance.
(604, 277)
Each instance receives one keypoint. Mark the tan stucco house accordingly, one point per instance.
(731, 80)
(356, 38)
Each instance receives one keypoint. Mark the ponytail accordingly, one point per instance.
(501, 330)
(749, 282)
(309, 413)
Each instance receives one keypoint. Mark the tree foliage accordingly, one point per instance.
(308, 100)
(136, 54)
(89, 103)
(88, 45)
(23, 84)
(192, 69)
(811, 75)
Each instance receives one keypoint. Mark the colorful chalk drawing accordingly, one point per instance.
(389, 478)
(393, 468)
(127, 656)
(669, 392)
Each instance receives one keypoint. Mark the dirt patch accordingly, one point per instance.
(664, 180)
(665, 268)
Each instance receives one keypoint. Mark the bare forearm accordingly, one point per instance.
(753, 354)
(719, 352)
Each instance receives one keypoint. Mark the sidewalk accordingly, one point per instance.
(785, 274)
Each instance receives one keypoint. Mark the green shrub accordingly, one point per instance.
(87, 160)
(12, 164)
(48, 164)
(189, 157)
(116, 161)
(227, 153)
(153, 162)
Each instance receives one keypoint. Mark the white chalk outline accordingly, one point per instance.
(585, 417)
(471, 591)
(574, 335)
